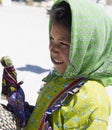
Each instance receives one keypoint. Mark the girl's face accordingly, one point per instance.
(59, 47)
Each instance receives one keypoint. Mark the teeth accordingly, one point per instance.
(57, 61)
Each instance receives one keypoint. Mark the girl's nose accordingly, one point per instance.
(54, 48)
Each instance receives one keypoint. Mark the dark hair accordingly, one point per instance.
(61, 13)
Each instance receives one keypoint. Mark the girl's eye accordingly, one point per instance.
(51, 38)
(59, 43)
(65, 44)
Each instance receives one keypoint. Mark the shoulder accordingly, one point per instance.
(93, 88)
(94, 94)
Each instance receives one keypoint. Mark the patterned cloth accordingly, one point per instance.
(82, 111)
(91, 58)
(59, 103)
(14, 94)
(91, 42)
(9, 81)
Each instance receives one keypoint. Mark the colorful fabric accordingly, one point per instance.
(8, 85)
(86, 107)
(50, 91)
(91, 58)
(14, 94)
(86, 110)
(60, 99)
(91, 42)
(16, 104)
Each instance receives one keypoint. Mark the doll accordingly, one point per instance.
(12, 90)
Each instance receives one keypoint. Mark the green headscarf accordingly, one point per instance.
(91, 42)
(6, 61)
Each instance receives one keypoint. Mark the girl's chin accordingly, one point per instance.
(59, 71)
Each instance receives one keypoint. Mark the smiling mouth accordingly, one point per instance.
(58, 62)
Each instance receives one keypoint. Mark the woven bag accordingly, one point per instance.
(8, 120)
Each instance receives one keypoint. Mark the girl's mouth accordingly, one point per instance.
(58, 62)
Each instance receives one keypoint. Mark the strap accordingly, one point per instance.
(10, 76)
(12, 79)
(59, 95)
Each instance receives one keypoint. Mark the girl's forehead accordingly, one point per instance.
(59, 26)
(60, 30)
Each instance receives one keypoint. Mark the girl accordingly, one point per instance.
(74, 94)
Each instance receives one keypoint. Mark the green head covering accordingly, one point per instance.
(91, 42)
(6, 61)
